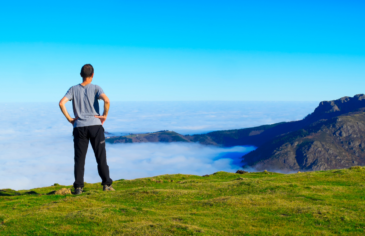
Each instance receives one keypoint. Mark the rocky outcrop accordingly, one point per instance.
(339, 106)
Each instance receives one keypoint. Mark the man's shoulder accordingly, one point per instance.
(75, 86)
(96, 86)
(97, 89)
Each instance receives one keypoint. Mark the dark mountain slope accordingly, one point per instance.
(249, 136)
(332, 143)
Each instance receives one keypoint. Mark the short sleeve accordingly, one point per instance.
(69, 95)
(99, 91)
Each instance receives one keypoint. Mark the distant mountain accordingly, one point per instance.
(164, 136)
(226, 138)
(330, 137)
(333, 137)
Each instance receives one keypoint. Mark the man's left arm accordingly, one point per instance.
(106, 108)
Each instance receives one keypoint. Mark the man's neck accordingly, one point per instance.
(86, 81)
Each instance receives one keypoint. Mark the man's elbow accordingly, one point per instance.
(61, 103)
(106, 100)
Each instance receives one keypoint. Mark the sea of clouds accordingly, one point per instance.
(36, 141)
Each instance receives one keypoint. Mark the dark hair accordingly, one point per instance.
(87, 70)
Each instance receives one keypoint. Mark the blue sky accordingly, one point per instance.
(184, 50)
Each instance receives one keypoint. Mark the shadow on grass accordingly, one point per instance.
(11, 192)
(8, 192)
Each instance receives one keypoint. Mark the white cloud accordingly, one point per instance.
(129, 161)
(45, 161)
(37, 148)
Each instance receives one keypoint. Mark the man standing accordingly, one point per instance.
(88, 126)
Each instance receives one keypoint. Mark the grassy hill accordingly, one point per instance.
(263, 203)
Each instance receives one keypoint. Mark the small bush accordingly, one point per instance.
(355, 168)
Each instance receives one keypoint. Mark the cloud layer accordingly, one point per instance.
(37, 147)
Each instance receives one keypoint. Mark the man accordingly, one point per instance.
(88, 126)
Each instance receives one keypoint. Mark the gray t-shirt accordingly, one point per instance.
(85, 104)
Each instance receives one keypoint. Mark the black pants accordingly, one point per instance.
(95, 134)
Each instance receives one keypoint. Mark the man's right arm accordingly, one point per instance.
(64, 110)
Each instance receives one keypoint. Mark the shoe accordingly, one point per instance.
(78, 190)
(108, 188)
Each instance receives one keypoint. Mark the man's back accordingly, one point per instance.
(85, 104)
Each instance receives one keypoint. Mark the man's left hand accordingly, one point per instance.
(102, 119)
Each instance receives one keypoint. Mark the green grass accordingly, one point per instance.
(265, 203)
